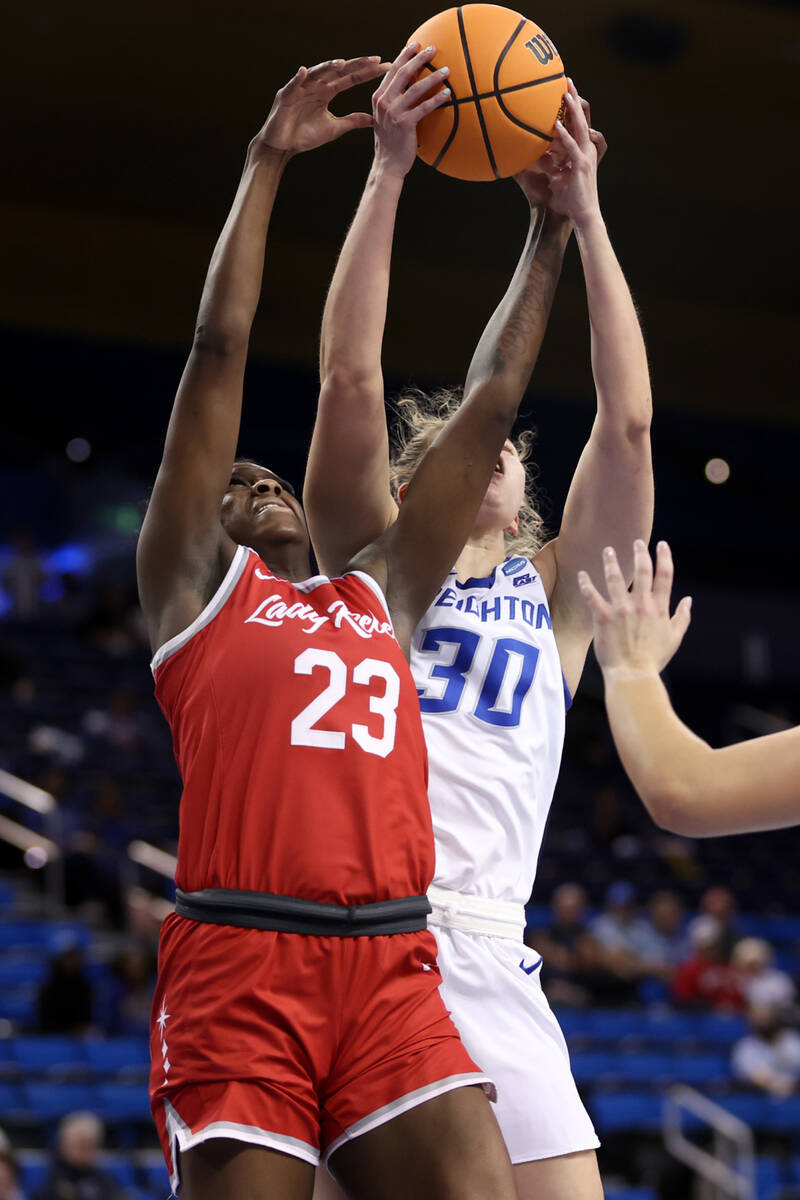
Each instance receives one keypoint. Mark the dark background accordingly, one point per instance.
(125, 132)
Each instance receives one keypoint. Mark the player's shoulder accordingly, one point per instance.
(545, 562)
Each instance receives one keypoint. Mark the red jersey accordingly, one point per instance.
(296, 729)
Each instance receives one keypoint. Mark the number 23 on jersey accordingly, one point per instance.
(305, 729)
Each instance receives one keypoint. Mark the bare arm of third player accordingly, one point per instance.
(687, 787)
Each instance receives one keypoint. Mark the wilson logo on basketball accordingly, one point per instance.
(542, 48)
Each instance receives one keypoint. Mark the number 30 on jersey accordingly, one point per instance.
(507, 681)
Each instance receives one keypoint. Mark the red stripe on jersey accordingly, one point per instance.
(296, 729)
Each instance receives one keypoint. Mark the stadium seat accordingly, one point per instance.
(52, 936)
(122, 1102)
(49, 1101)
(12, 1103)
(769, 1175)
(18, 972)
(118, 1056)
(157, 1179)
(33, 1172)
(120, 1169)
(19, 1004)
(50, 1056)
(625, 1111)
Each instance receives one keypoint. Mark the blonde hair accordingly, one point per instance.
(419, 418)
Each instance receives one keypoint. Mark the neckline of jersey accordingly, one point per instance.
(486, 582)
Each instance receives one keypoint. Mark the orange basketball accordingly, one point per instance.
(507, 88)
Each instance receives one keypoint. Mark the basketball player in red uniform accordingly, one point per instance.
(297, 1014)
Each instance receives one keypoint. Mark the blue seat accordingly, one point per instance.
(157, 1178)
(115, 1056)
(48, 1101)
(123, 1102)
(614, 1112)
(120, 1170)
(52, 936)
(769, 1175)
(12, 1102)
(751, 1107)
(781, 1116)
(574, 1022)
(34, 1173)
(720, 1029)
(50, 1055)
(19, 1004)
(21, 971)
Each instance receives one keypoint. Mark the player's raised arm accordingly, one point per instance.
(346, 496)
(183, 553)
(687, 787)
(610, 499)
(446, 491)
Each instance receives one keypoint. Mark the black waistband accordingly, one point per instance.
(288, 914)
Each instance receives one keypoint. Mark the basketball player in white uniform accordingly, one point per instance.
(503, 645)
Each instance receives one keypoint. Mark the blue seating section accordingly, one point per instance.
(141, 1180)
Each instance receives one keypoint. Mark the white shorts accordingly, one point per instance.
(508, 1027)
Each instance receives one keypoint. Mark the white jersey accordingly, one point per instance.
(493, 702)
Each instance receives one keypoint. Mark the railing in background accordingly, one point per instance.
(41, 850)
(727, 1172)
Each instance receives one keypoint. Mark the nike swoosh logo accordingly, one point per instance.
(530, 969)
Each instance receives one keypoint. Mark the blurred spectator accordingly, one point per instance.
(65, 999)
(568, 950)
(74, 1174)
(117, 723)
(621, 932)
(127, 995)
(9, 1171)
(706, 980)
(768, 1056)
(24, 576)
(115, 624)
(92, 881)
(665, 943)
(763, 985)
(720, 903)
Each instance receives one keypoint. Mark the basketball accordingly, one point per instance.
(507, 87)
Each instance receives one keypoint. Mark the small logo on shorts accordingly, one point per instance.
(529, 970)
(161, 1021)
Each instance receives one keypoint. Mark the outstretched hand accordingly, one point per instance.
(633, 631)
(399, 104)
(535, 180)
(299, 118)
(565, 178)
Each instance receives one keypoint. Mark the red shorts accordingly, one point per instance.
(295, 1042)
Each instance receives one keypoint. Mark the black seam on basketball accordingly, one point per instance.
(515, 87)
(504, 52)
(510, 116)
(454, 101)
(498, 93)
(471, 73)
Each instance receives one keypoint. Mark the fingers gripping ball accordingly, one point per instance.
(507, 88)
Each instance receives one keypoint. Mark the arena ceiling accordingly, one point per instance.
(126, 127)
